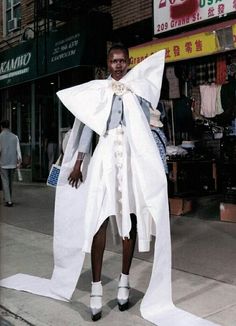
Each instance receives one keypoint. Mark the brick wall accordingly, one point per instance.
(27, 17)
(129, 12)
(123, 12)
(27, 13)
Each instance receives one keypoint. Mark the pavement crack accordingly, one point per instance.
(7, 313)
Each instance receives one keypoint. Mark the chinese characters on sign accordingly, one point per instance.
(180, 49)
(188, 47)
(172, 14)
(185, 48)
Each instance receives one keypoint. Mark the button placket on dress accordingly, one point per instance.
(119, 89)
(118, 151)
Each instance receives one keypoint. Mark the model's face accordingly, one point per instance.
(117, 63)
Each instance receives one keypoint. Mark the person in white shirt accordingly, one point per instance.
(10, 158)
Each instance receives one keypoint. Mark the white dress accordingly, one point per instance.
(144, 193)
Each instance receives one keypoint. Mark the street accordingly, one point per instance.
(203, 255)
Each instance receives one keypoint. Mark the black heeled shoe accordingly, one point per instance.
(123, 304)
(96, 313)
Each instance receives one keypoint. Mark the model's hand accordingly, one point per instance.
(75, 177)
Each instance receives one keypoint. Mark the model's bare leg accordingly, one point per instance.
(128, 251)
(97, 251)
(128, 246)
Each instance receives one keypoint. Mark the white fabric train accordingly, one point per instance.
(91, 104)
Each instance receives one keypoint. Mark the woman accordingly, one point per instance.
(121, 199)
(125, 177)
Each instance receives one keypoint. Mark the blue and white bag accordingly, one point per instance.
(54, 173)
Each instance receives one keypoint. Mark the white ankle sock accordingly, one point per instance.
(96, 286)
(124, 279)
(96, 295)
(123, 287)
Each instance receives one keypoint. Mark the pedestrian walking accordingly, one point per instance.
(10, 159)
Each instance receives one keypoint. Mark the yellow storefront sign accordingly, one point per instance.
(180, 49)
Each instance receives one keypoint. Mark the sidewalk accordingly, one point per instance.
(204, 265)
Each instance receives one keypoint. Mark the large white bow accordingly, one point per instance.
(91, 102)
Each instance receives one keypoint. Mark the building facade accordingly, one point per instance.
(47, 45)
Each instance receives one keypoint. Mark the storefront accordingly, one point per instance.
(31, 74)
(198, 99)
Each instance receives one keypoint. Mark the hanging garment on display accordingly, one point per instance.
(169, 127)
(211, 72)
(221, 70)
(219, 108)
(73, 231)
(201, 74)
(228, 95)
(208, 100)
(228, 100)
(183, 118)
(205, 73)
(174, 91)
(196, 97)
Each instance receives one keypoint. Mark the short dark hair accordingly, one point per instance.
(118, 46)
(5, 123)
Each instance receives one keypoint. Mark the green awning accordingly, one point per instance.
(18, 64)
(79, 42)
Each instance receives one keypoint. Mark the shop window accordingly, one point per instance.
(19, 105)
(12, 15)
